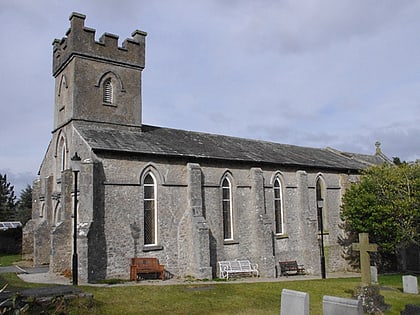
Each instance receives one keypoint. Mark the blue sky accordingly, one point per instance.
(319, 73)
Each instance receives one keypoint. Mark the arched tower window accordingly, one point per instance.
(63, 85)
(150, 210)
(227, 209)
(63, 157)
(108, 92)
(278, 206)
(61, 154)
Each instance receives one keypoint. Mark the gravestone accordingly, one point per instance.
(410, 284)
(411, 309)
(332, 305)
(374, 274)
(294, 302)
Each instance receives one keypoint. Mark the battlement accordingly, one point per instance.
(80, 40)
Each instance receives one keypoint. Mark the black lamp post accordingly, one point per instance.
(320, 205)
(75, 166)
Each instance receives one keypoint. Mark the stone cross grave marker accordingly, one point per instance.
(364, 248)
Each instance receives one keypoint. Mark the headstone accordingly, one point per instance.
(411, 309)
(294, 302)
(374, 274)
(410, 284)
(364, 247)
(332, 305)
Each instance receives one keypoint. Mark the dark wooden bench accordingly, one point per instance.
(142, 266)
(291, 268)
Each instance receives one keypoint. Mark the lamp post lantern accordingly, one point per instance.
(75, 166)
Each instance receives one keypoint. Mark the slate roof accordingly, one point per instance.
(152, 140)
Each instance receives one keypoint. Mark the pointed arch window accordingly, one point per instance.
(227, 209)
(278, 206)
(57, 214)
(108, 92)
(150, 210)
(63, 84)
(63, 157)
(320, 206)
(42, 210)
(61, 154)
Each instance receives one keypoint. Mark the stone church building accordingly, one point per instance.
(189, 199)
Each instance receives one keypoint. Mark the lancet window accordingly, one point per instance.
(150, 210)
(227, 209)
(278, 206)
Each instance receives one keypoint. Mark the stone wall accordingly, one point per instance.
(190, 226)
(190, 221)
(62, 227)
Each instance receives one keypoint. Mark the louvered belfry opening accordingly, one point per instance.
(108, 96)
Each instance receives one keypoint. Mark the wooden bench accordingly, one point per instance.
(291, 268)
(238, 266)
(143, 266)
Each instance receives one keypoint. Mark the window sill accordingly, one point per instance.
(109, 104)
(151, 248)
(230, 242)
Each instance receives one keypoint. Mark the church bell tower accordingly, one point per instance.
(97, 81)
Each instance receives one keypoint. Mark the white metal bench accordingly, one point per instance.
(238, 266)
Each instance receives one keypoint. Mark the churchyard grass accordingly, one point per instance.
(394, 293)
(219, 297)
(233, 298)
(15, 283)
(9, 260)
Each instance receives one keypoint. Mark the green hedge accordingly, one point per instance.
(11, 241)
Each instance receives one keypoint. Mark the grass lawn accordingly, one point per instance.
(220, 298)
(203, 298)
(234, 298)
(9, 260)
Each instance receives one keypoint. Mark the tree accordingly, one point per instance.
(7, 200)
(385, 204)
(24, 205)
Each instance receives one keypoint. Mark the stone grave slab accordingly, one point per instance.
(333, 305)
(42, 295)
(410, 284)
(294, 302)
(411, 309)
(374, 274)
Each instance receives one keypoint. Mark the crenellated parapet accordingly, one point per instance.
(80, 41)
